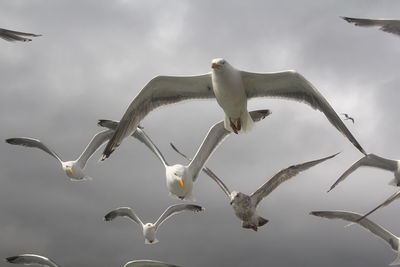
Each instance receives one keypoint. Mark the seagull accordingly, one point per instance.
(231, 88)
(367, 224)
(148, 263)
(150, 229)
(347, 117)
(244, 205)
(31, 259)
(386, 25)
(372, 160)
(12, 36)
(74, 168)
(180, 178)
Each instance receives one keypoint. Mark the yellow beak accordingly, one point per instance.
(182, 184)
(214, 65)
(154, 227)
(71, 171)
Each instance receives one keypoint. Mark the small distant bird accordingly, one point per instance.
(180, 178)
(148, 263)
(367, 224)
(73, 169)
(15, 36)
(231, 88)
(245, 206)
(372, 160)
(31, 259)
(386, 25)
(150, 229)
(347, 117)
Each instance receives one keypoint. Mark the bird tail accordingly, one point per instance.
(261, 221)
(246, 123)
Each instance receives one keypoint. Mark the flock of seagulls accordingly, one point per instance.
(231, 88)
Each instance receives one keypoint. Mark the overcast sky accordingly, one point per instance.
(95, 56)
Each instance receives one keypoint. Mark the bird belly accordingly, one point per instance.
(231, 97)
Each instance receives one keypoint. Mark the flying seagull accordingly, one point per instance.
(16, 36)
(367, 224)
(231, 88)
(150, 229)
(372, 160)
(31, 259)
(347, 117)
(386, 25)
(148, 263)
(74, 168)
(180, 178)
(245, 206)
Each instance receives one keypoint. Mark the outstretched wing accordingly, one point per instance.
(12, 36)
(386, 25)
(161, 90)
(215, 136)
(175, 209)
(292, 85)
(123, 212)
(94, 144)
(30, 142)
(385, 203)
(31, 259)
(369, 160)
(208, 172)
(140, 135)
(366, 223)
(283, 176)
(148, 263)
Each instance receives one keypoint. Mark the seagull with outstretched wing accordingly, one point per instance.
(231, 88)
(245, 206)
(180, 178)
(386, 25)
(73, 169)
(367, 224)
(31, 259)
(150, 229)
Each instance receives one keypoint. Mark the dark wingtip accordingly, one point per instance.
(11, 140)
(100, 122)
(11, 259)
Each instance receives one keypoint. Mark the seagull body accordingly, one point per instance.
(386, 25)
(372, 160)
(367, 224)
(31, 259)
(73, 169)
(231, 88)
(180, 178)
(245, 206)
(148, 263)
(12, 36)
(150, 229)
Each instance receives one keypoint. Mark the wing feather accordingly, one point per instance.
(386, 25)
(12, 36)
(175, 209)
(123, 212)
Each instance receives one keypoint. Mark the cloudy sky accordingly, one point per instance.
(95, 56)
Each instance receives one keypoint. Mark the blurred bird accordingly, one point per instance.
(386, 25)
(347, 117)
(31, 259)
(16, 36)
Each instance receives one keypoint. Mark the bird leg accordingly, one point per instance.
(236, 128)
(254, 227)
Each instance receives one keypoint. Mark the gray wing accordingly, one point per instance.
(31, 259)
(30, 142)
(94, 144)
(148, 263)
(161, 90)
(366, 223)
(208, 172)
(283, 176)
(215, 136)
(175, 209)
(140, 135)
(385, 203)
(292, 85)
(123, 212)
(369, 160)
(12, 36)
(386, 25)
